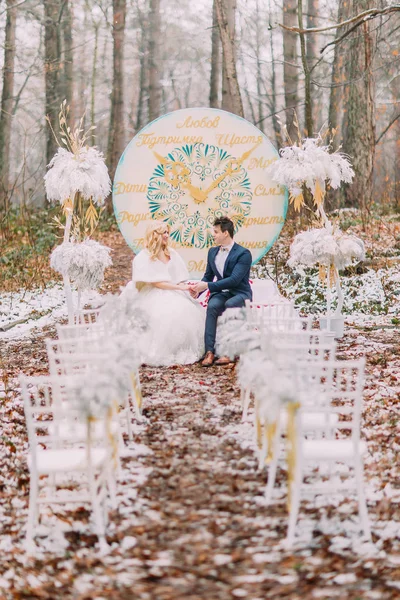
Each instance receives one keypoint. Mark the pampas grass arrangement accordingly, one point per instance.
(78, 174)
(311, 165)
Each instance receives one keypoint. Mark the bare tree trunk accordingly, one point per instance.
(308, 117)
(312, 54)
(7, 100)
(143, 71)
(246, 92)
(52, 72)
(154, 60)
(81, 58)
(290, 69)
(277, 130)
(96, 26)
(397, 167)
(116, 132)
(231, 98)
(359, 116)
(337, 79)
(68, 63)
(215, 61)
(259, 71)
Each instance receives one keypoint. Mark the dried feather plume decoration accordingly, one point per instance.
(84, 172)
(76, 168)
(325, 246)
(83, 263)
(77, 175)
(311, 165)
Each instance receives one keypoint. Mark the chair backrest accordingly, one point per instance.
(52, 415)
(285, 324)
(86, 316)
(343, 396)
(295, 338)
(283, 352)
(256, 313)
(81, 330)
(76, 356)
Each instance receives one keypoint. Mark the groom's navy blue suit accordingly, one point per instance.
(228, 291)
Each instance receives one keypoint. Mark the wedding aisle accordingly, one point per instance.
(191, 521)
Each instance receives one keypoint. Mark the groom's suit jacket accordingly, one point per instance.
(236, 272)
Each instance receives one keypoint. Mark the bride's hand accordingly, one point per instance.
(184, 287)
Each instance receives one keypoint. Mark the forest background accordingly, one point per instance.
(122, 63)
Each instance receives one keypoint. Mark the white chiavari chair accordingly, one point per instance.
(85, 354)
(345, 401)
(59, 453)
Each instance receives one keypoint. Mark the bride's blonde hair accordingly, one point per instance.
(153, 239)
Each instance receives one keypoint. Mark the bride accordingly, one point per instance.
(176, 321)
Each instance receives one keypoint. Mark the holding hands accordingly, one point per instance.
(197, 288)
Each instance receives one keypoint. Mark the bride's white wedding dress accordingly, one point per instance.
(176, 321)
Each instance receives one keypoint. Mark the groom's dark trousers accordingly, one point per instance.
(229, 291)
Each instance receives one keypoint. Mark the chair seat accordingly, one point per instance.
(312, 420)
(331, 449)
(78, 431)
(71, 459)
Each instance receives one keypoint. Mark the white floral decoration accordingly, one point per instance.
(97, 391)
(83, 172)
(235, 335)
(84, 263)
(121, 314)
(308, 164)
(327, 247)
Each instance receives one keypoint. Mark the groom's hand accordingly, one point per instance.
(199, 287)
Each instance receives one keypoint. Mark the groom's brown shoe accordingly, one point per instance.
(208, 359)
(223, 360)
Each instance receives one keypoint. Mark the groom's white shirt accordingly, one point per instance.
(221, 257)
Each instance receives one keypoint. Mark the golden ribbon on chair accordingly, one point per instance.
(269, 432)
(113, 442)
(259, 429)
(137, 390)
(292, 408)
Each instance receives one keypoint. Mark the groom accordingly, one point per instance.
(230, 264)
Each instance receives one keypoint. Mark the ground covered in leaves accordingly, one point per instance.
(191, 521)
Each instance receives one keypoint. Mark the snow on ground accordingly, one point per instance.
(22, 311)
(192, 521)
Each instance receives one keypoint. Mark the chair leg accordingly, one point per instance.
(128, 420)
(112, 488)
(273, 467)
(294, 506)
(242, 393)
(136, 396)
(362, 504)
(32, 511)
(96, 510)
(245, 403)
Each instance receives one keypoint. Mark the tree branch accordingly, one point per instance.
(380, 136)
(364, 16)
(341, 38)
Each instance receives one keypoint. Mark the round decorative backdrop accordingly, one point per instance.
(191, 166)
